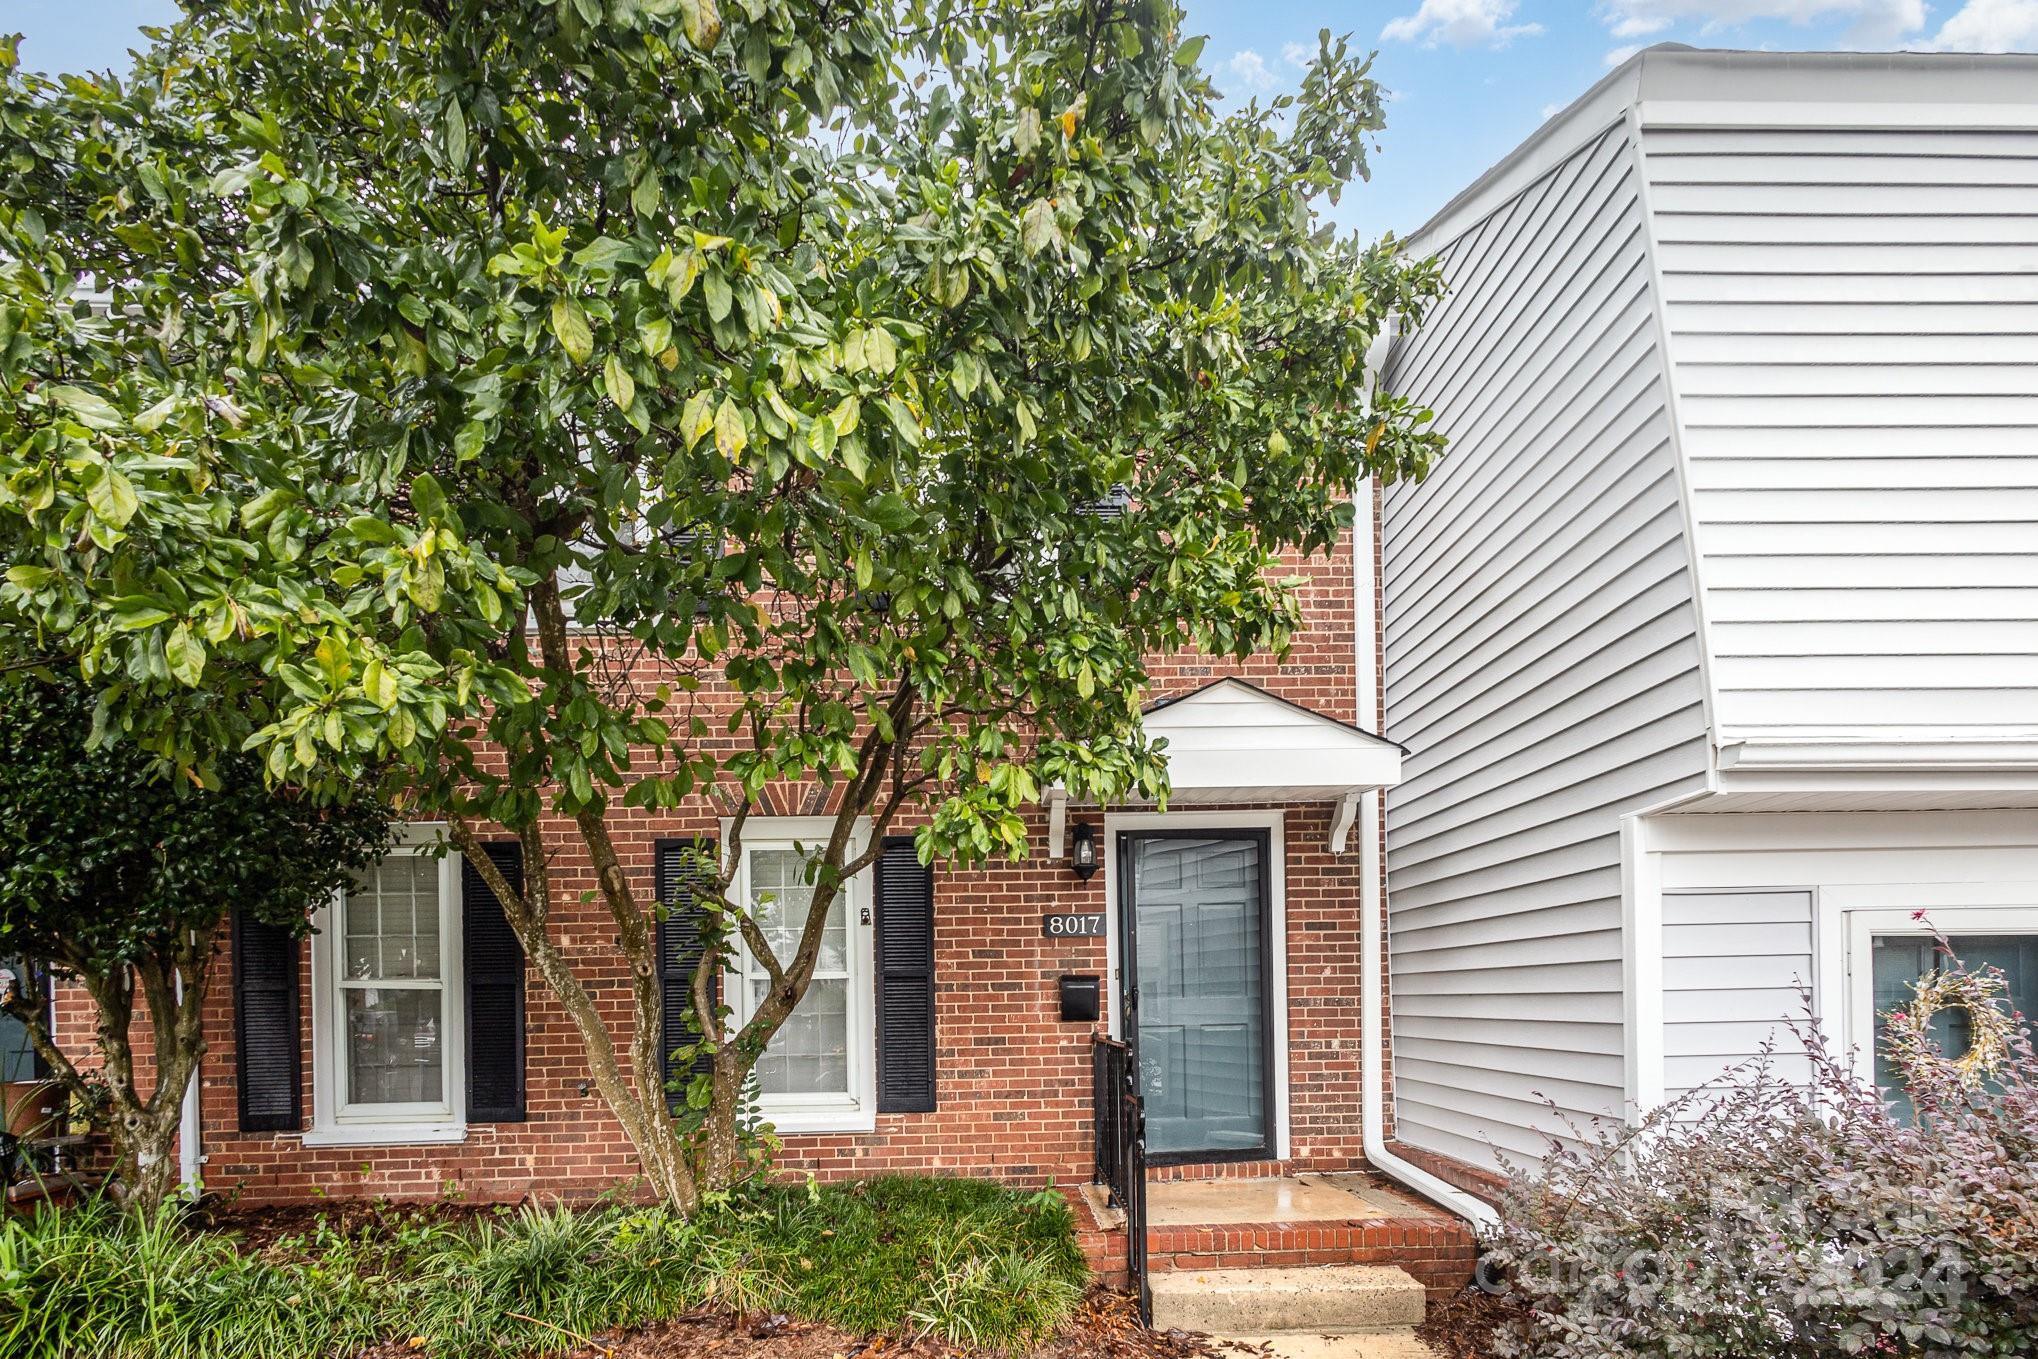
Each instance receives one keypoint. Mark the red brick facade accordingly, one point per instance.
(1014, 1082)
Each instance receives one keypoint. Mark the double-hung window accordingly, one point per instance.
(387, 1007)
(816, 1073)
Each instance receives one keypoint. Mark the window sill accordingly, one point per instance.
(844, 1118)
(387, 1135)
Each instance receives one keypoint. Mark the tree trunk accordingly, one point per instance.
(146, 1163)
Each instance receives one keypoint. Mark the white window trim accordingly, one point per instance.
(1275, 823)
(856, 1111)
(335, 1125)
(1864, 925)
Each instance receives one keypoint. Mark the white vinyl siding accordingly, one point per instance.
(1853, 320)
(1542, 664)
(1737, 967)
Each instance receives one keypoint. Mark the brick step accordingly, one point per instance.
(1438, 1252)
(1340, 1300)
(1400, 1343)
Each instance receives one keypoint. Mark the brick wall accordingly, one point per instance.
(1014, 1082)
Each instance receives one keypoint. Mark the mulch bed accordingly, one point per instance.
(1462, 1325)
(1104, 1327)
(258, 1228)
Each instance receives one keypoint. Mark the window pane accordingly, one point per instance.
(392, 924)
(393, 1050)
(1900, 959)
(780, 900)
(18, 1059)
(809, 1055)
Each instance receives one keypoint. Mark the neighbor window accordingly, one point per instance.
(1898, 954)
(387, 1008)
(19, 1061)
(815, 1075)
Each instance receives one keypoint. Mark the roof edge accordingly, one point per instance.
(1172, 700)
(1692, 80)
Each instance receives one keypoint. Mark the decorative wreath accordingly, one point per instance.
(1990, 1027)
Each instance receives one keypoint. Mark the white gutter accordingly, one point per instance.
(1372, 897)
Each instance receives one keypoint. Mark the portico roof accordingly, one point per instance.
(1232, 741)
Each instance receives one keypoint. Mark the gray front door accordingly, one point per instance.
(1195, 920)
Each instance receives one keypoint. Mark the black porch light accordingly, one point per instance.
(1083, 852)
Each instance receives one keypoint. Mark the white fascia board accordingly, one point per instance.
(1838, 115)
(1242, 771)
(2008, 756)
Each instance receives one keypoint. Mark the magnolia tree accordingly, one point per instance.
(598, 404)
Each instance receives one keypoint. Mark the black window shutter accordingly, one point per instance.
(680, 867)
(494, 966)
(905, 979)
(268, 1046)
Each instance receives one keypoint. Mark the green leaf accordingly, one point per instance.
(903, 420)
(456, 135)
(428, 498)
(679, 279)
(845, 414)
(702, 20)
(645, 198)
(135, 615)
(603, 252)
(569, 325)
(697, 418)
(622, 388)
(730, 435)
(880, 351)
(1026, 132)
(89, 407)
(112, 498)
(1187, 54)
(467, 442)
(151, 420)
(378, 684)
(716, 289)
(1037, 230)
(185, 654)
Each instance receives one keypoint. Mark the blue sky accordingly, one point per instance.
(1470, 78)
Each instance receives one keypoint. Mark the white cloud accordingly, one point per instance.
(1298, 53)
(1250, 71)
(1870, 23)
(1550, 111)
(1461, 23)
(1621, 54)
(1991, 26)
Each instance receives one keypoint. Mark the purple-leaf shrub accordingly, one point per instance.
(1764, 1216)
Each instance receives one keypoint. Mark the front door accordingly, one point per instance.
(1195, 919)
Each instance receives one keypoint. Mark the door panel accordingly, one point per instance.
(1196, 911)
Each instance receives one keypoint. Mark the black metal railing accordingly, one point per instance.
(1121, 1153)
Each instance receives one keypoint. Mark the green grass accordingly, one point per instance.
(969, 1262)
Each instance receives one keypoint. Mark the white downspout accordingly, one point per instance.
(188, 1157)
(1372, 898)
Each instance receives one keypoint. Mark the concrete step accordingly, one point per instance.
(1395, 1344)
(1325, 1300)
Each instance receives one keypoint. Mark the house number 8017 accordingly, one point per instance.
(1084, 925)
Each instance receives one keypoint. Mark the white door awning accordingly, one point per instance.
(1231, 741)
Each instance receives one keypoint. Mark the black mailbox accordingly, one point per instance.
(1079, 1000)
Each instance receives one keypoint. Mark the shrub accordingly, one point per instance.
(965, 1261)
(1761, 1217)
